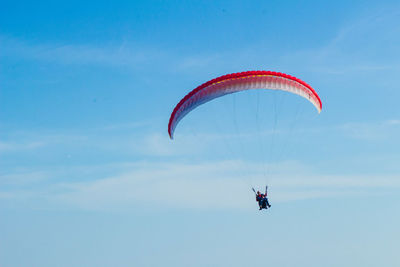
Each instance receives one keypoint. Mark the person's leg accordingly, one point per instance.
(266, 201)
(264, 204)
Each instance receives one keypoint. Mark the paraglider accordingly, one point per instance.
(241, 81)
(236, 82)
(262, 199)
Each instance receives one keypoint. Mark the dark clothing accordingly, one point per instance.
(265, 202)
(259, 199)
(262, 201)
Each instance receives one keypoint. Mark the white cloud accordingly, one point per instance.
(216, 185)
(13, 146)
(113, 55)
(378, 131)
(23, 177)
(209, 185)
(361, 45)
(186, 142)
(365, 44)
(393, 122)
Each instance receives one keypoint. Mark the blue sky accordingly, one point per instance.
(89, 177)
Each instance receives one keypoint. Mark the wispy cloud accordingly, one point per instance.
(26, 141)
(154, 144)
(122, 54)
(363, 44)
(21, 178)
(15, 146)
(202, 185)
(81, 54)
(392, 122)
(378, 131)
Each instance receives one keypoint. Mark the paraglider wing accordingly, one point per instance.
(236, 82)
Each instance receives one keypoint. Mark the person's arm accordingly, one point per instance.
(254, 191)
